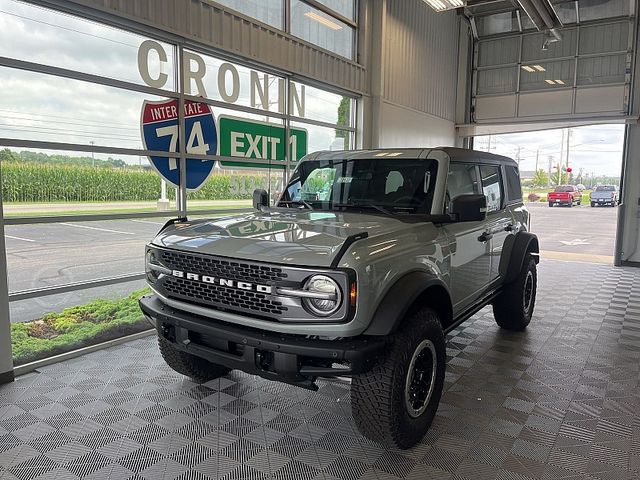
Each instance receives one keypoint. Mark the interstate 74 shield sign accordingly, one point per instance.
(160, 132)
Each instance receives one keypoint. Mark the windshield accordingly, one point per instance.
(381, 184)
(564, 188)
(606, 188)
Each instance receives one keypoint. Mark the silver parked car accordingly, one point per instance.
(604, 195)
(366, 261)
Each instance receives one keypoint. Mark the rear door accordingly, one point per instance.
(470, 261)
(499, 224)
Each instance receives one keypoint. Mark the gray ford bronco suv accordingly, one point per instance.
(367, 259)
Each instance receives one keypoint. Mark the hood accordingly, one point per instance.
(305, 237)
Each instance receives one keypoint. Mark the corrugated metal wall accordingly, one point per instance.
(421, 58)
(209, 24)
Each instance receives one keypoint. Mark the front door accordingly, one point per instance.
(470, 260)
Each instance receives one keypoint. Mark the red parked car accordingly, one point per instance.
(565, 195)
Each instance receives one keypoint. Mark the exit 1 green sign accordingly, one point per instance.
(258, 140)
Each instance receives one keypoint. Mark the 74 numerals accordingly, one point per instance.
(195, 143)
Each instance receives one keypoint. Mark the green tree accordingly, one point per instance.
(564, 179)
(7, 155)
(344, 114)
(540, 179)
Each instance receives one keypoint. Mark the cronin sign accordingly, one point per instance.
(233, 137)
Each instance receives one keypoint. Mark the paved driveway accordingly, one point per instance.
(582, 231)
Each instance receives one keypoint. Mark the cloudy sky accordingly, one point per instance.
(595, 149)
(48, 108)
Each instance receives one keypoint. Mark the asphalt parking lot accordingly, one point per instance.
(61, 253)
(579, 230)
(55, 254)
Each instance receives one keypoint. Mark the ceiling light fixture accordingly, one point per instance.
(539, 68)
(559, 82)
(323, 20)
(550, 82)
(443, 5)
(528, 68)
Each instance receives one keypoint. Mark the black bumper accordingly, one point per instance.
(288, 358)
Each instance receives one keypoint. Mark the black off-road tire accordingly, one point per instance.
(513, 308)
(378, 397)
(551, 204)
(196, 368)
(593, 204)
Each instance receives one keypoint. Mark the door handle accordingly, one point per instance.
(485, 237)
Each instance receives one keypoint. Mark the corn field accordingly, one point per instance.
(32, 182)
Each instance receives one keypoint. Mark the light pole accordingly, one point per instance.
(93, 159)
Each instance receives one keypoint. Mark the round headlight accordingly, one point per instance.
(150, 259)
(329, 296)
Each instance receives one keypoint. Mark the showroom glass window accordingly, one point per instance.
(329, 24)
(81, 95)
(270, 12)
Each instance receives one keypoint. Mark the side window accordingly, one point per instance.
(491, 187)
(462, 180)
(513, 183)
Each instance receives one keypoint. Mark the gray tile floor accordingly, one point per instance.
(559, 401)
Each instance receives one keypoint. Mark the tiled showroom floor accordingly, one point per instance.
(559, 401)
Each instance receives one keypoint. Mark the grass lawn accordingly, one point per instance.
(49, 210)
(543, 194)
(77, 327)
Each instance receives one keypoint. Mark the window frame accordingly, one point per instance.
(178, 45)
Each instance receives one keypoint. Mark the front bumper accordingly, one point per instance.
(288, 358)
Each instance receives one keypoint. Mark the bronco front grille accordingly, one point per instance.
(231, 269)
(219, 296)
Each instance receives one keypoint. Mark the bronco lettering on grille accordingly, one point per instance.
(223, 282)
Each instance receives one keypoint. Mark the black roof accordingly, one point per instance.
(467, 155)
(456, 154)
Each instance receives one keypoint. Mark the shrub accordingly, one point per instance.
(77, 327)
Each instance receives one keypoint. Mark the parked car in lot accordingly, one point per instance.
(605, 195)
(565, 195)
(362, 281)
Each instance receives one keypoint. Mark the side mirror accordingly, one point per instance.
(469, 208)
(260, 199)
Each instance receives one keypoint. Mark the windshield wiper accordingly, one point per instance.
(299, 203)
(364, 205)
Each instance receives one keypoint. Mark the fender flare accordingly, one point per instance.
(399, 299)
(513, 252)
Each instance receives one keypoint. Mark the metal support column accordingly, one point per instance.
(6, 362)
(627, 249)
(181, 194)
